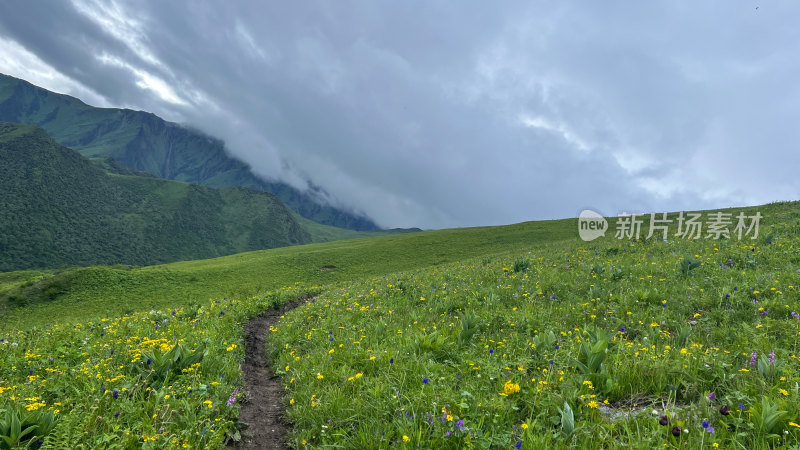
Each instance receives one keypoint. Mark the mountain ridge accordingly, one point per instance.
(143, 141)
(59, 208)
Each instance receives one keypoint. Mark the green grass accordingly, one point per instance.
(106, 291)
(472, 338)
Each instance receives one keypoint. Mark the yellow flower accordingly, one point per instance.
(449, 418)
(684, 351)
(524, 426)
(592, 404)
(319, 376)
(510, 388)
(792, 424)
(291, 402)
(784, 392)
(406, 438)
(358, 375)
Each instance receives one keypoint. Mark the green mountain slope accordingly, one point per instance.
(57, 208)
(145, 142)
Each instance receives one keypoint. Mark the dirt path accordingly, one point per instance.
(264, 410)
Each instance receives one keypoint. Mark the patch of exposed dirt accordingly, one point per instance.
(263, 411)
(324, 268)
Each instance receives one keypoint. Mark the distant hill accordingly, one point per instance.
(59, 208)
(145, 142)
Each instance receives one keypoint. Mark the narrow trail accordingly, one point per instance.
(264, 412)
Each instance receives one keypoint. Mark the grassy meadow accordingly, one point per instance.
(501, 337)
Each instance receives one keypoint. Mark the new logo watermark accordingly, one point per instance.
(592, 225)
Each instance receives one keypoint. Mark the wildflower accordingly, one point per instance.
(518, 445)
(115, 393)
(524, 426)
(712, 396)
(460, 424)
(676, 431)
(232, 398)
(705, 424)
(741, 407)
(391, 361)
(406, 438)
(425, 380)
(319, 376)
(116, 415)
(510, 388)
(663, 421)
(792, 424)
(725, 410)
(491, 350)
(772, 357)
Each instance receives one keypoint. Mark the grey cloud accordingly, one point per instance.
(449, 114)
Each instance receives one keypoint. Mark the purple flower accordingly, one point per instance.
(149, 361)
(491, 350)
(622, 329)
(116, 415)
(518, 445)
(331, 339)
(772, 357)
(115, 393)
(741, 406)
(795, 315)
(391, 361)
(460, 424)
(753, 357)
(705, 424)
(556, 346)
(232, 398)
(425, 380)
(712, 396)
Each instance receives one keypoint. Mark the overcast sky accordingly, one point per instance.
(440, 114)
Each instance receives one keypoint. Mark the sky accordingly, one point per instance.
(438, 114)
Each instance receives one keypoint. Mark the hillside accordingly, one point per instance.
(99, 290)
(145, 142)
(519, 336)
(58, 208)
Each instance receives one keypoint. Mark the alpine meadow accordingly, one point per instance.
(399, 226)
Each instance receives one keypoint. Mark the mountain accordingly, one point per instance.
(59, 208)
(145, 142)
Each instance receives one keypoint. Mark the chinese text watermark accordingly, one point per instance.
(715, 225)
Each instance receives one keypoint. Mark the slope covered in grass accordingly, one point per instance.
(58, 208)
(98, 290)
(586, 345)
(516, 342)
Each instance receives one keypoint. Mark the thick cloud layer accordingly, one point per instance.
(440, 114)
